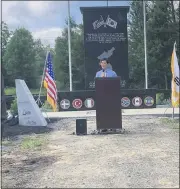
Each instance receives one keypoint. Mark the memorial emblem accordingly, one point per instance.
(137, 101)
(149, 101)
(109, 22)
(89, 103)
(125, 102)
(77, 103)
(107, 54)
(65, 104)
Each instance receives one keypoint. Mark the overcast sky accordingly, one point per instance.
(45, 19)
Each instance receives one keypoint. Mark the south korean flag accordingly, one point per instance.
(110, 22)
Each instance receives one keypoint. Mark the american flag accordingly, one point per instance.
(49, 83)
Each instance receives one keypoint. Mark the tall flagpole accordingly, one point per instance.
(145, 45)
(69, 45)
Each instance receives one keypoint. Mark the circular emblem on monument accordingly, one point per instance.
(65, 104)
(77, 103)
(125, 102)
(89, 103)
(149, 101)
(137, 101)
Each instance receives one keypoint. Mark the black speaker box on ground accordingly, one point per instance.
(81, 127)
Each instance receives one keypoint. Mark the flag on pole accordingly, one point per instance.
(49, 83)
(175, 84)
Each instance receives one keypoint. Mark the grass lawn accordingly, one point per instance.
(34, 142)
(6, 142)
(173, 123)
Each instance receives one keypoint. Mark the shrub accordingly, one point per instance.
(14, 108)
(159, 98)
(166, 102)
(47, 107)
(10, 91)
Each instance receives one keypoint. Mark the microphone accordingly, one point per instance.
(103, 75)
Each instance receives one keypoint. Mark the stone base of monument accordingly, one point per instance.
(112, 131)
(109, 131)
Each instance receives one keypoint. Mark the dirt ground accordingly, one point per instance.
(145, 156)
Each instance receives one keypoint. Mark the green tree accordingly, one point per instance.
(62, 58)
(40, 56)
(20, 58)
(61, 63)
(162, 30)
(5, 37)
(162, 33)
(177, 12)
(136, 45)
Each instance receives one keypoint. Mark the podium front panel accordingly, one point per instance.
(108, 104)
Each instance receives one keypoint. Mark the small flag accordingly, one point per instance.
(98, 23)
(110, 22)
(175, 84)
(89, 103)
(49, 83)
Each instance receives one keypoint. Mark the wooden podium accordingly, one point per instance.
(108, 103)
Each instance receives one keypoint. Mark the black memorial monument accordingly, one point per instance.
(105, 36)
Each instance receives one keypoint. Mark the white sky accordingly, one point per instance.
(45, 19)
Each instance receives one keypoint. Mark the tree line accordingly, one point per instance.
(23, 56)
(162, 23)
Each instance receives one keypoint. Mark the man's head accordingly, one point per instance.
(104, 63)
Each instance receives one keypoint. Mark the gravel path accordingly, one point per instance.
(145, 156)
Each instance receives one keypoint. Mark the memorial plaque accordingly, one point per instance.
(105, 36)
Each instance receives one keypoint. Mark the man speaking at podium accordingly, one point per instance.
(106, 69)
(105, 72)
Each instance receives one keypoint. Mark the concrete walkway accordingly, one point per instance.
(161, 112)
